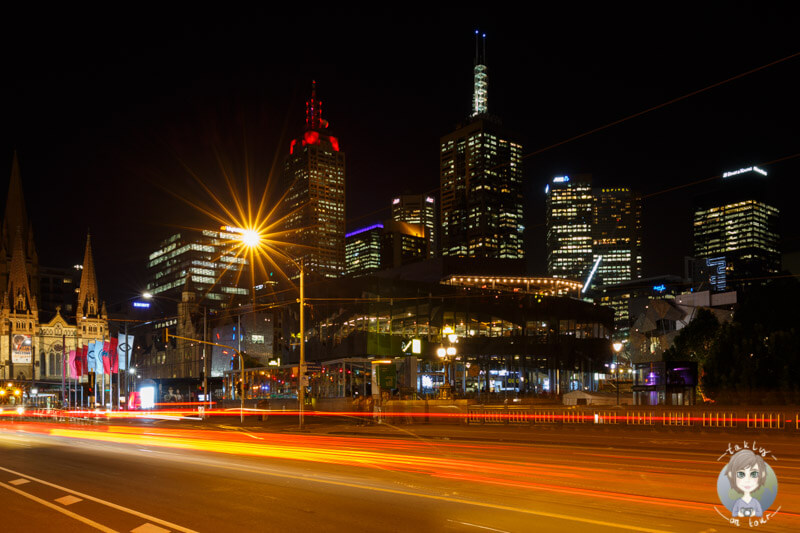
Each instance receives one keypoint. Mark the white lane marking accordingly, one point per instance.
(254, 437)
(476, 525)
(149, 528)
(68, 499)
(61, 510)
(103, 502)
(447, 499)
(19, 481)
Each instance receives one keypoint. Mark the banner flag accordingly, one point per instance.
(113, 355)
(91, 361)
(125, 350)
(98, 356)
(103, 351)
(73, 371)
(106, 356)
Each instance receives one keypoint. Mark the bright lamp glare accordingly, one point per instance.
(251, 238)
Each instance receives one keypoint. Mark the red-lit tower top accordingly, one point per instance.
(315, 124)
(314, 120)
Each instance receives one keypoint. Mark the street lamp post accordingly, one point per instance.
(447, 354)
(617, 347)
(301, 387)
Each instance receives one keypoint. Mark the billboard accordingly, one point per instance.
(21, 349)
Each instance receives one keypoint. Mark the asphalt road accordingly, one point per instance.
(173, 476)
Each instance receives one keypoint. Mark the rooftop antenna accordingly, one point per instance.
(480, 91)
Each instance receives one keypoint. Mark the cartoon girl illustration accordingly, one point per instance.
(746, 472)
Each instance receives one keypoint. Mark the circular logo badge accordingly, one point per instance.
(747, 485)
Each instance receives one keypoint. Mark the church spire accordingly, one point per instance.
(19, 291)
(480, 89)
(16, 216)
(88, 299)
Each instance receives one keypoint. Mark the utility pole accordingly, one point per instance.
(301, 389)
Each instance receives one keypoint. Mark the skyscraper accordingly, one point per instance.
(363, 250)
(314, 178)
(418, 209)
(481, 181)
(616, 235)
(736, 230)
(381, 246)
(207, 258)
(569, 227)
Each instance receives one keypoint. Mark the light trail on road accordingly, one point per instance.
(446, 461)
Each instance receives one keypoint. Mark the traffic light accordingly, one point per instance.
(90, 382)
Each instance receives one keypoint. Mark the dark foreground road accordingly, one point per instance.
(176, 477)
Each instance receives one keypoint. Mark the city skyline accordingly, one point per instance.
(118, 142)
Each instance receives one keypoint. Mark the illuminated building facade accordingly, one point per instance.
(569, 212)
(402, 243)
(381, 246)
(418, 209)
(363, 250)
(735, 225)
(35, 337)
(481, 184)
(314, 205)
(617, 235)
(208, 258)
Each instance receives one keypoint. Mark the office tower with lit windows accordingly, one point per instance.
(736, 230)
(363, 250)
(381, 246)
(314, 204)
(481, 182)
(418, 209)
(210, 261)
(570, 216)
(616, 235)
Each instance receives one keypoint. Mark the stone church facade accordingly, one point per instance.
(35, 341)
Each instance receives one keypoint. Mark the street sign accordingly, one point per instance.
(387, 376)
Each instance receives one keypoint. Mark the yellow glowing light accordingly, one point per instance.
(251, 238)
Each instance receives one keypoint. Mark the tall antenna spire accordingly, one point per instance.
(314, 111)
(480, 91)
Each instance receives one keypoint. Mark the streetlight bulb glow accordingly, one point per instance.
(617, 346)
(441, 352)
(251, 238)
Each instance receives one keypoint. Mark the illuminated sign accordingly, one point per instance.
(717, 273)
(561, 179)
(148, 397)
(21, 349)
(547, 188)
(416, 346)
(396, 201)
(743, 170)
(143, 305)
(659, 288)
(429, 200)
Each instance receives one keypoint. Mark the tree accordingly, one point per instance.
(756, 358)
(694, 342)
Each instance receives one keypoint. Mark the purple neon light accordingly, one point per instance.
(362, 230)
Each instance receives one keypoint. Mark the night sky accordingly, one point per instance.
(110, 112)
